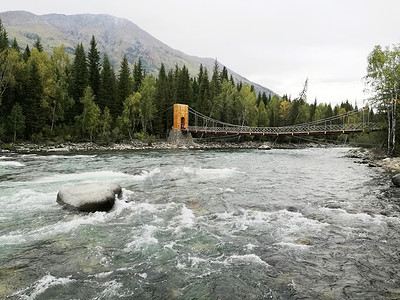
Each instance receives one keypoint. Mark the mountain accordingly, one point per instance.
(114, 36)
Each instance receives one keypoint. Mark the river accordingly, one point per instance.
(193, 224)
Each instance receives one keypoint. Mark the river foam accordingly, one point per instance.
(204, 173)
(11, 164)
(42, 285)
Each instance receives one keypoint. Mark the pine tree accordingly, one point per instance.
(215, 90)
(31, 107)
(26, 54)
(107, 97)
(313, 108)
(239, 86)
(183, 87)
(294, 112)
(265, 99)
(124, 88)
(215, 79)
(195, 90)
(224, 74)
(14, 45)
(161, 103)
(3, 37)
(170, 93)
(259, 99)
(138, 75)
(203, 104)
(231, 80)
(38, 45)
(329, 111)
(175, 85)
(79, 80)
(200, 75)
(94, 67)
(16, 121)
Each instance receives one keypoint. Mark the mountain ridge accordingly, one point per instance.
(114, 36)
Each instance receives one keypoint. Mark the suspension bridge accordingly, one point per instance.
(354, 121)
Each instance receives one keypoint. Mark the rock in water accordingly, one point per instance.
(265, 147)
(396, 180)
(89, 197)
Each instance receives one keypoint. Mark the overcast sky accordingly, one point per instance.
(275, 43)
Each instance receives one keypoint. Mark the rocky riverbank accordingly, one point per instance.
(376, 158)
(27, 147)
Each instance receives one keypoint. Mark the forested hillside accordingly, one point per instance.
(115, 36)
(55, 98)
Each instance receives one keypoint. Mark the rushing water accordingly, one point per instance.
(243, 224)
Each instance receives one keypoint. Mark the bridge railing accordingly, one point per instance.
(286, 130)
(332, 125)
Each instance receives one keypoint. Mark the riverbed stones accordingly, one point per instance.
(89, 197)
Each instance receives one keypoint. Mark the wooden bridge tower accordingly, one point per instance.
(180, 135)
(181, 117)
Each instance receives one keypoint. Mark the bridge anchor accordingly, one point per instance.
(180, 138)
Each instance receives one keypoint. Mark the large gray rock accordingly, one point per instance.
(396, 180)
(89, 197)
(180, 139)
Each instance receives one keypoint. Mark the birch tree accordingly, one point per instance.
(89, 120)
(147, 107)
(131, 114)
(9, 62)
(383, 80)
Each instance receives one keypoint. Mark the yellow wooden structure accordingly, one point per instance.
(181, 117)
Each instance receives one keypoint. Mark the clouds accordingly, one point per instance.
(276, 43)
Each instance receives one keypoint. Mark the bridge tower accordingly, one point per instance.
(181, 117)
(179, 136)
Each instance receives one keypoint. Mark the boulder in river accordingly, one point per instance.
(265, 146)
(396, 180)
(89, 197)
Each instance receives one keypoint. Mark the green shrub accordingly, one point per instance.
(10, 147)
(141, 136)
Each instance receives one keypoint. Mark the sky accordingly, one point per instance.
(275, 43)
